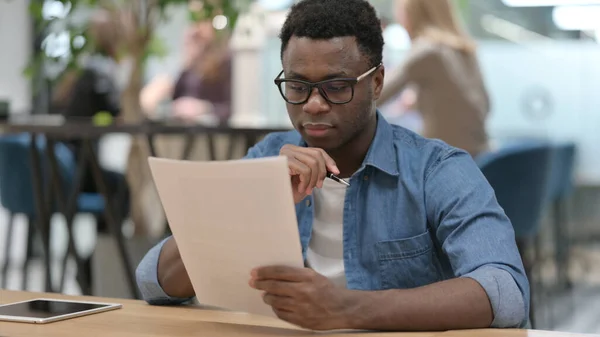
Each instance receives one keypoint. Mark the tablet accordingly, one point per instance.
(44, 310)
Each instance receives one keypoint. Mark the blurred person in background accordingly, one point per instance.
(203, 89)
(95, 88)
(442, 65)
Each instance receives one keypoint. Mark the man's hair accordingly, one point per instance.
(327, 19)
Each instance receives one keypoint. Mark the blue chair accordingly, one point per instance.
(560, 189)
(519, 175)
(16, 190)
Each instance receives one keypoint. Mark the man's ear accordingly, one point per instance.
(378, 77)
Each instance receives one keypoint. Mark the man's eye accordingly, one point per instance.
(296, 87)
(337, 86)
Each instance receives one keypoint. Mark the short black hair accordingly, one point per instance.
(327, 19)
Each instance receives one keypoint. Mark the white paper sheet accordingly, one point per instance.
(228, 218)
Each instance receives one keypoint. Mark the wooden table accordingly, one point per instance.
(136, 318)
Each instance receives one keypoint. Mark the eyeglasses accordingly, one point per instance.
(335, 91)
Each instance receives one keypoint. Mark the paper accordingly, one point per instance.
(228, 218)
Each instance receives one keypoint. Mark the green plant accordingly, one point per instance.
(464, 9)
(67, 37)
(136, 22)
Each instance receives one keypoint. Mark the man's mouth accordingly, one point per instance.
(317, 129)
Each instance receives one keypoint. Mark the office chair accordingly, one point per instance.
(519, 175)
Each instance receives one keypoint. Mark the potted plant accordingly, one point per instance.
(137, 21)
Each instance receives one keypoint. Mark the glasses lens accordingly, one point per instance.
(294, 92)
(337, 91)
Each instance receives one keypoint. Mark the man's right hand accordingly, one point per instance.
(308, 168)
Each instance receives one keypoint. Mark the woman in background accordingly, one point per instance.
(442, 65)
(204, 86)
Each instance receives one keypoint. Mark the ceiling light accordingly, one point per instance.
(576, 17)
(220, 22)
(548, 3)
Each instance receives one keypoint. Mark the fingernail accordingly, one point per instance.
(309, 191)
(337, 170)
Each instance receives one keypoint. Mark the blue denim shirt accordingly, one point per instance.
(417, 212)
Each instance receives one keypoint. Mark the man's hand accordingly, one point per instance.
(308, 168)
(303, 297)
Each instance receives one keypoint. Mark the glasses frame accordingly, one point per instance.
(311, 85)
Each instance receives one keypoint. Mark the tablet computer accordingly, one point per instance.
(45, 310)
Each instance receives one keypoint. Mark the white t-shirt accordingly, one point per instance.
(325, 253)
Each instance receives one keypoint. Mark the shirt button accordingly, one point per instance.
(366, 178)
(307, 202)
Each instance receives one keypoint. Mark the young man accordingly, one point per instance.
(416, 242)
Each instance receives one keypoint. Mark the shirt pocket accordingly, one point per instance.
(408, 263)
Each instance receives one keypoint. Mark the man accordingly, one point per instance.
(416, 242)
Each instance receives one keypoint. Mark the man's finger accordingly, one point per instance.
(282, 273)
(279, 288)
(302, 171)
(329, 162)
(322, 166)
(316, 159)
(279, 302)
(286, 315)
(316, 164)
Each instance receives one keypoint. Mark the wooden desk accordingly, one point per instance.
(139, 319)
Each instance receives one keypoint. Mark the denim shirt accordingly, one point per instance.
(418, 211)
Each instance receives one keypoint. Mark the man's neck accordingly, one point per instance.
(351, 155)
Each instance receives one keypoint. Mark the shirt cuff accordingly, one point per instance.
(507, 300)
(147, 279)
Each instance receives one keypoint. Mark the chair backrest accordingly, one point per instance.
(16, 188)
(519, 175)
(562, 170)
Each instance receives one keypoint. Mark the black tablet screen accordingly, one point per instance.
(45, 308)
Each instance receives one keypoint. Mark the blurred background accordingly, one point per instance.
(540, 61)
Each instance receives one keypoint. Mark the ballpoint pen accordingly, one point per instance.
(337, 179)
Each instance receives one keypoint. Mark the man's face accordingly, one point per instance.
(322, 124)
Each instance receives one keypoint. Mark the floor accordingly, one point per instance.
(569, 311)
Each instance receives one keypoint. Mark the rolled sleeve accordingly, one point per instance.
(477, 236)
(147, 279)
(504, 294)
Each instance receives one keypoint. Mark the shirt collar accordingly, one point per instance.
(382, 153)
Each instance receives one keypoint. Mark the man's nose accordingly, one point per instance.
(316, 103)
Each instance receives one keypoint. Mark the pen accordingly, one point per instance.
(336, 178)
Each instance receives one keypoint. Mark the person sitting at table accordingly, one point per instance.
(83, 94)
(418, 240)
(203, 89)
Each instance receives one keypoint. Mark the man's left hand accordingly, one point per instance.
(303, 297)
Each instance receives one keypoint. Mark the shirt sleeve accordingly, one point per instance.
(146, 276)
(477, 236)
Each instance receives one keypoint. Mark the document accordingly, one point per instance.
(229, 217)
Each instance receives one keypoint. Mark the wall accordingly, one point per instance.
(544, 90)
(15, 48)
